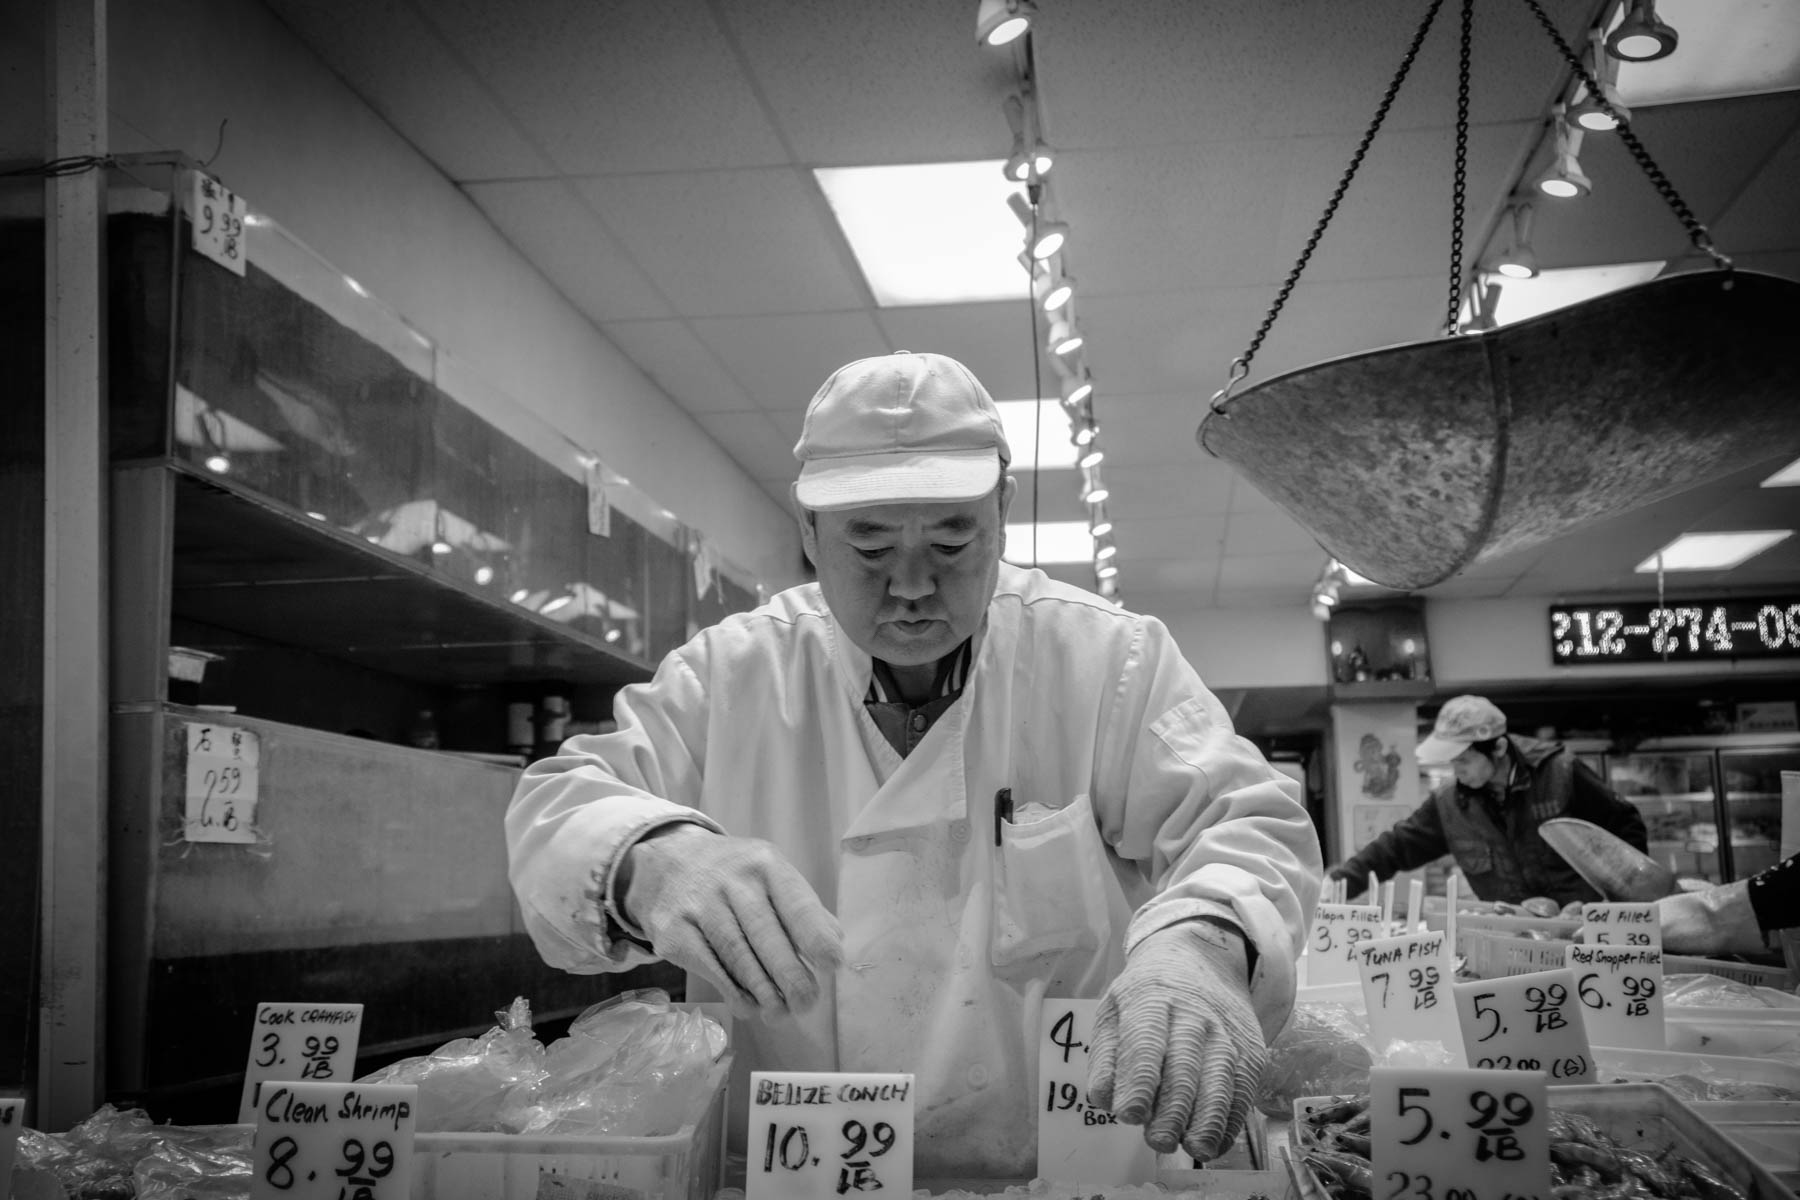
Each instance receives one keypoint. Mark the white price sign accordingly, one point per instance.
(1621, 924)
(12, 1119)
(1459, 1134)
(334, 1141)
(1337, 929)
(216, 215)
(222, 780)
(299, 1041)
(1620, 990)
(1526, 1023)
(1077, 1142)
(1406, 989)
(818, 1134)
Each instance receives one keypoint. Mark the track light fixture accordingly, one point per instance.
(1100, 525)
(1076, 389)
(1093, 490)
(1104, 549)
(998, 22)
(1641, 36)
(1106, 570)
(1520, 261)
(1048, 239)
(1030, 159)
(1064, 339)
(1082, 429)
(1051, 287)
(1563, 178)
(1091, 455)
(1587, 111)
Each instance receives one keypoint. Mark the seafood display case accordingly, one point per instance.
(1711, 805)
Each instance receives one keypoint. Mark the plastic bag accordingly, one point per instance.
(96, 1160)
(1715, 991)
(218, 1169)
(1321, 1052)
(463, 1084)
(632, 1066)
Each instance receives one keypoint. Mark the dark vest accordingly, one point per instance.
(1508, 860)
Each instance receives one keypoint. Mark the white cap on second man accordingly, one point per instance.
(1462, 721)
(900, 428)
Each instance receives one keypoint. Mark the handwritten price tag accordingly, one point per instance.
(12, 1119)
(1078, 1143)
(1459, 1134)
(216, 214)
(1331, 946)
(1526, 1023)
(299, 1041)
(1406, 989)
(817, 1134)
(222, 762)
(1621, 924)
(334, 1141)
(1620, 990)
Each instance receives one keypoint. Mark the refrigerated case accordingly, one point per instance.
(1712, 805)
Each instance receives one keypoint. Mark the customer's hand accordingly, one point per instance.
(1354, 881)
(1718, 920)
(734, 911)
(1177, 1046)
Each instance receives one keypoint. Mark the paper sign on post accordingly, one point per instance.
(1078, 1143)
(12, 1119)
(1478, 1135)
(1415, 905)
(1406, 989)
(334, 1141)
(1526, 1023)
(1620, 989)
(222, 765)
(819, 1134)
(299, 1041)
(1621, 924)
(1331, 946)
(217, 217)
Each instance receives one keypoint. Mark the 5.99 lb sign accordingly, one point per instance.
(1458, 1135)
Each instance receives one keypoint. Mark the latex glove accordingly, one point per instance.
(1718, 920)
(734, 911)
(1177, 1047)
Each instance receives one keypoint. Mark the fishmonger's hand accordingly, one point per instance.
(734, 911)
(1177, 1047)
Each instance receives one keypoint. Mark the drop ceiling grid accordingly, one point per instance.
(616, 87)
(781, 361)
(682, 365)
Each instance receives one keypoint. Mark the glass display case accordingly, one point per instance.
(1752, 783)
(1712, 805)
(1675, 791)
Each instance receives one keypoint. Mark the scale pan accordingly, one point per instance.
(1414, 462)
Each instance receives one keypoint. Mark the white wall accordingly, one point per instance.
(302, 147)
(1486, 641)
(1252, 647)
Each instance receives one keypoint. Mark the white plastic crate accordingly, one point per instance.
(685, 1165)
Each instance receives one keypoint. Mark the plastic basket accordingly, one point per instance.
(1489, 955)
(1637, 1115)
(688, 1164)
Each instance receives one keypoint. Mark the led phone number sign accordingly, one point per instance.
(1692, 631)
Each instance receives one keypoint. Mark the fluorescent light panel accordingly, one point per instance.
(1713, 551)
(1057, 542)
(1053, 449)
(1728, 48)
(1788, 476)
(931, 233)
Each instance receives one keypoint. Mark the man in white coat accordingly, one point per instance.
(886, 814)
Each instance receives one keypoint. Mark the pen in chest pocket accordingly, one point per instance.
(1003, 811)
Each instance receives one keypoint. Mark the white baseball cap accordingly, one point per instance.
(897, 428)
(1462, 721)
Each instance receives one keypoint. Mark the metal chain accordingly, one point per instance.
(1697, 233)
(1240, 366)
(1459, 188)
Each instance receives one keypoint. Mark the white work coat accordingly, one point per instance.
(1136, 806)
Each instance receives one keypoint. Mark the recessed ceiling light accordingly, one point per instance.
(1563, 286)
(1788, 476)
(1712, 551)
(1057, 542)
(1047, 424)
(930, 233)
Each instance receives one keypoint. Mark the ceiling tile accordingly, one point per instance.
(831, 79)
(731, 242)
(1259, 534)
(548, 222)
(995, 341)
(615, 87)
(427, 93)
(1188, 72)
(1246, 499)
(1170, 537)
(752, 439)
(1151, 492)
(680, 363)
(1057, 496)
(1260, 597)
(1142, 430)
(1764, 215)
(782, 361)
(1195, 576)
(1296, 570)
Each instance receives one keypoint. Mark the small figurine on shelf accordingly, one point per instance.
(1358, 666)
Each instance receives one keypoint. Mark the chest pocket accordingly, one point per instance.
(1049, 887)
